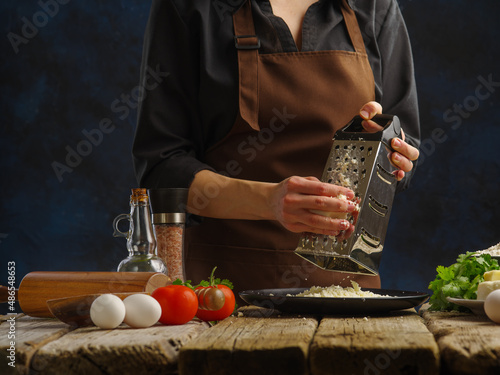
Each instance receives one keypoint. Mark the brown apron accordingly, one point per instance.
(291, 104)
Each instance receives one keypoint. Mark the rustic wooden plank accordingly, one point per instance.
(395, 344)
(469, 344)
(4, 318)
(30, 335)
(124, 350)
(257, 343)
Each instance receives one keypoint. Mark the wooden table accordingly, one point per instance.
(261, 341)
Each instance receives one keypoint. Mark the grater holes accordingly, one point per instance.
(337, 147)
(315, 241)
(377, 207)
(370, 150)
(384, 175)
(370, 239)
(325, 241)
(305, 242)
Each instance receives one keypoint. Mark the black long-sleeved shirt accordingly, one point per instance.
(190, 74)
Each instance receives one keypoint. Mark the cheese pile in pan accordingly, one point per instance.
(336, 291)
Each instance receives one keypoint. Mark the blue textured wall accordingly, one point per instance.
(453, 205)
(74, 71)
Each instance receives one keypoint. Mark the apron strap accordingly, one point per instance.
(247, 43)
(353, 28)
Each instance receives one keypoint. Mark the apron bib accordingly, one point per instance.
(291, 105)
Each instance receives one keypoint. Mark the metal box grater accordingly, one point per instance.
(358, 160)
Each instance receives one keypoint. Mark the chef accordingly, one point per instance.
(250, 96)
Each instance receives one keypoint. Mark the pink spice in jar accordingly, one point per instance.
(170, 243)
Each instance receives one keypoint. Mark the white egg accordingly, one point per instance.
(142, 310)
(107, 311)
(492, 306)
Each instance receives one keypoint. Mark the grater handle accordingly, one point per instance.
(391, 130)
(354, 129)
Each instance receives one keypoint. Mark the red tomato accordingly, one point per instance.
(224, 312)
(178, 304)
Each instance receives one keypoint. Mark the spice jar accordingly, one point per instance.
(141, 242)
(169, 218)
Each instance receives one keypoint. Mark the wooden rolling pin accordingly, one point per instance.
(37, 288)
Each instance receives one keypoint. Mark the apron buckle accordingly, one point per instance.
(247, 43)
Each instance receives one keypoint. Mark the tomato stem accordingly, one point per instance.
(212, 277)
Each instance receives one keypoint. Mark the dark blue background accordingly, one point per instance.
(64, 80)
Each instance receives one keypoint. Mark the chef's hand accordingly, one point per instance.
(405, 153)
(293, 199)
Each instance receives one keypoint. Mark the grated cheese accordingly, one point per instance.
(337, 291)
(494, 251)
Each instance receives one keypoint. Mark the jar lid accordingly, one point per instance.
(168, 200)
(169, 218)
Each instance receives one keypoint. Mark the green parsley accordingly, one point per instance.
(460, 280)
